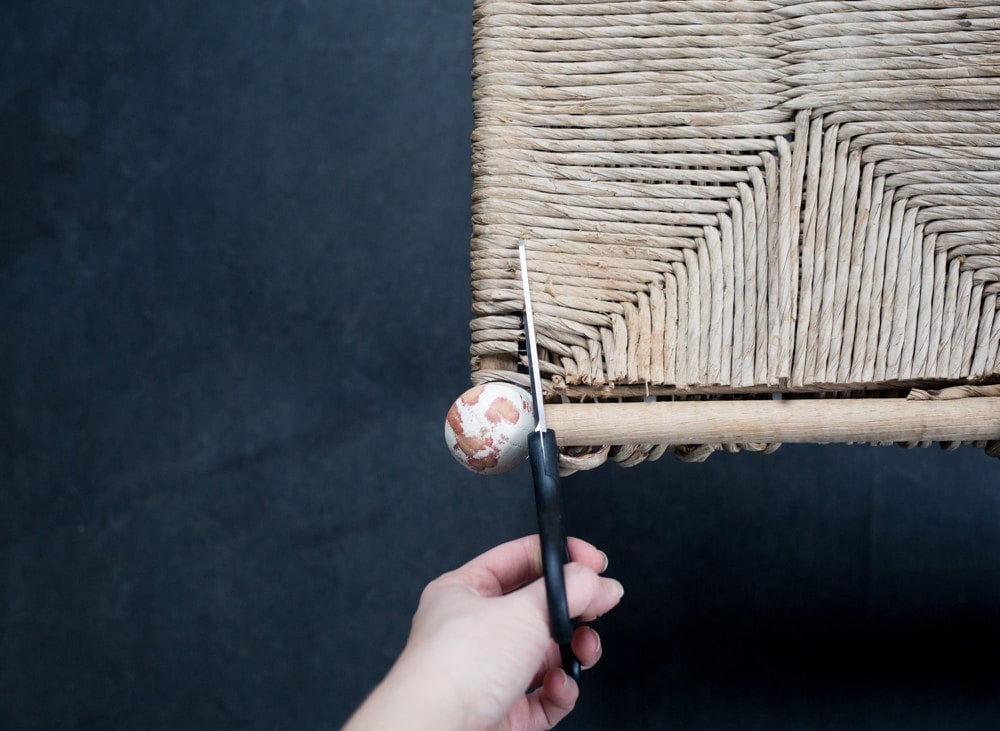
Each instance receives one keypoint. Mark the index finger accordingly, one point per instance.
(510, 565)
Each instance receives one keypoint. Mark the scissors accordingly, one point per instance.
(544, 456)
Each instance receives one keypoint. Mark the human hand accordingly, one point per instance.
(480, 638)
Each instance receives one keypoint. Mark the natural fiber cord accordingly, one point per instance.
(731, 198)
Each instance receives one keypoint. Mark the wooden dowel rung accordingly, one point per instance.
(790, 420)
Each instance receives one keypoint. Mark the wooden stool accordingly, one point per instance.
(747, 221)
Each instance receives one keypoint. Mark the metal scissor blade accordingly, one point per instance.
(538, 401)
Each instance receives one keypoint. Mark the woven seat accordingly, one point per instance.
(733, 199)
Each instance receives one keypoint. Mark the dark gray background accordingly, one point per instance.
(233, 313)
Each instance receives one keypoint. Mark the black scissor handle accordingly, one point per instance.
(544, 455)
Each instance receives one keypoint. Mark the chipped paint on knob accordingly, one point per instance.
(488, 426)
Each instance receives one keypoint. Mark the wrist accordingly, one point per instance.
(414, 695)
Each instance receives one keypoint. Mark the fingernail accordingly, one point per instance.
(565, 679)
(597, 638)
(621, 589)
(605, 562)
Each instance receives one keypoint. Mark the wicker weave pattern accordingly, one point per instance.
(730, 196)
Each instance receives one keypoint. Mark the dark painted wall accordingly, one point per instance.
(233, 312)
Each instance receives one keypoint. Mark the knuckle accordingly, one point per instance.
(433, 588)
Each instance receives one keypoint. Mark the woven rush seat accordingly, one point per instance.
(740, 200)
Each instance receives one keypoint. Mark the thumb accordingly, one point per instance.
(587, 593)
